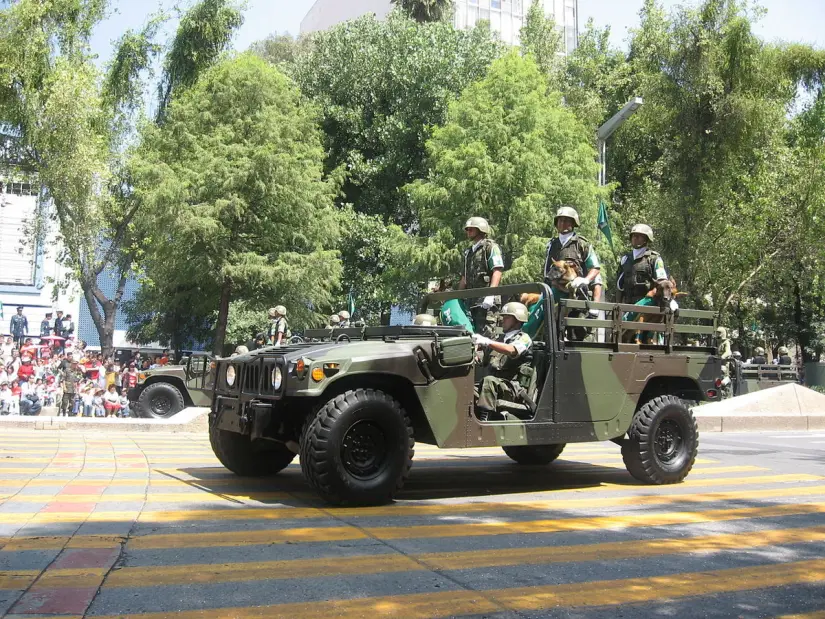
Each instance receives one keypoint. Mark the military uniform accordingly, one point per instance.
(279, 325)
(577, 251)
(480, 261)
(638, 272)
(502, 383)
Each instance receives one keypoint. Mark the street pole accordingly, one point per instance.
(602, 135)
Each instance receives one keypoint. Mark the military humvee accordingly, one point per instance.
(354, 409)
(165, 391)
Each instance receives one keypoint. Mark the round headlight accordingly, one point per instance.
(230, 375)
(277, 378)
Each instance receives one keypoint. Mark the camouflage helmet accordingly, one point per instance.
(479, 223)
(426, 320)
(567, 211)
(273, 311)
(281, 310)
(722, 332)
(344, 315)
(737, 354)
(783, 350)
(241, 350)
(759, 350)
(334, 319)
(516, 310)
(643, 229)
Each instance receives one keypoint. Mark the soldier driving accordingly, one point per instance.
(508, 352)
(576, 251)
(640, 268)
(483, 266)
(278, 328)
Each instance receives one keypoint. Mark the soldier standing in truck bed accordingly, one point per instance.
(483, 267)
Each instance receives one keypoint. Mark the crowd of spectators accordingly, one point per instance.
(60, 371)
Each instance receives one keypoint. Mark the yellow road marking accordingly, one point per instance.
(591, 523)
(594, 593)
(379, 564)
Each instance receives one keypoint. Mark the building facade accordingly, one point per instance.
(505, 16)
(28, 269)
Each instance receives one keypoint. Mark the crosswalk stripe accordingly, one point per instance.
(149, 576)
(535, 598)
(473, 529)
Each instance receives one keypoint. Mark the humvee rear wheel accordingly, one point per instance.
(534, 454)
(358, 448)
(160, 400)
(237, 453)
(662, 441)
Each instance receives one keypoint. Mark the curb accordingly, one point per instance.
(760, 423)
(193, 419)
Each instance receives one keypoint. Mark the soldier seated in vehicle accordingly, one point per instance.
(509, 354)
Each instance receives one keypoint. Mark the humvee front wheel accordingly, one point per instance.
(160, 401)
(358, 448)
(662, 441)
(534, 454)
(237, 453)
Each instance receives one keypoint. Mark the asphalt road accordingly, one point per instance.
(107, 525)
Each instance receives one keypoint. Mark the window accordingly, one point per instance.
(507, 29)
(517, 10)
(484, 14)
(17, 211)
(495, 4)
(472, 16)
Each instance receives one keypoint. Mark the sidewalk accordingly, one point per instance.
(193, 419)
(787, 407)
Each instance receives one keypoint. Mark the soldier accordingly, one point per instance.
(758, 357)
(46, 325)
(334, 321)
(640, 268)
(426, 320)
(508, 352)
(278, 328)
(574, 250)
(724, 343)
(344, 316)
(240, 350)
(784, 356)
(19, 326)
(483, 266)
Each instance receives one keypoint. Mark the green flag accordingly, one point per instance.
(1, 310)
(351, 304)
(604, 223)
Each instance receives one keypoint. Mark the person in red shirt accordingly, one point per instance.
(130, 377)
(16, 390)
(26, 369)
(28, 348)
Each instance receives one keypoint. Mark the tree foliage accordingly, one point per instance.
(426, 10)
(510, 152)
(234, 179)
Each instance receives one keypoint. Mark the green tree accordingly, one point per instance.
(543, 40)
(426, 10)
(381, 87)
(204, 33)
(282, 50)
(510, 152)
(234, 179)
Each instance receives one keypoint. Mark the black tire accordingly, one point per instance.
(534, 455)
(160, 401)
(662, 441)
(237, 453)
(358, 448)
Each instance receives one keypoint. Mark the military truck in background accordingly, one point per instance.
(354, 407)
(165, 391)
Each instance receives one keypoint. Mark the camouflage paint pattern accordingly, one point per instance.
(590, 392)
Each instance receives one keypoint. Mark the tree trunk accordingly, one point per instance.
(104, 322)
(223, 316)
(802, 334)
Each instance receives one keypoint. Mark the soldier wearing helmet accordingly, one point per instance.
(483, 266)
(334, 321)
(575, 250)
(784, 357)
(344, 319)
(640, 268)
(758, 357)
(278, 327)
(508, 355)
(425, 320)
